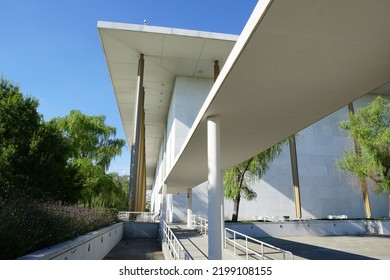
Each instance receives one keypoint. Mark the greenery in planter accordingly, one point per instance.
(66, 160)
(28, 225)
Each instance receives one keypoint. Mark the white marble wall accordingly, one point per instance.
(188, 96)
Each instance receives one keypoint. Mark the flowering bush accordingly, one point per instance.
(27, 226)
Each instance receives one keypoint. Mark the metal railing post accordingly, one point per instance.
(262, 250)
(246, 247)
(234, 243)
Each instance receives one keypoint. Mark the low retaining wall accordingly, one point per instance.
(92, 246)
(140, 230)
(311, 227)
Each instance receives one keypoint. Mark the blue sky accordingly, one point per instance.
(52, 50)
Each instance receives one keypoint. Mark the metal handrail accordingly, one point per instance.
(194, 221)
(128, 216)
(202, 225)
(248, 250)
(176, 249)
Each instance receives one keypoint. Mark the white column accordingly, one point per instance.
(189, 208)
(164, 204)
(169, 208)
(215, 189)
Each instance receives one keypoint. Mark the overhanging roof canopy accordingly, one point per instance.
(295, 63)
(168, 53)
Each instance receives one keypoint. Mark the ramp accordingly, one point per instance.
(195, 243)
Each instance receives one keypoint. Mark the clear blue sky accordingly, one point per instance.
(52, 50)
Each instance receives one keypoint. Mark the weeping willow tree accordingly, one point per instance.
(238, 178)
(93, 145)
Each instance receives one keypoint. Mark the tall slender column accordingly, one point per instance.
(169, 208)
(295, 176)
(132, 180)
(135, 147)
(164, 203)
(363, 182)
(189, 208)
(215, 190)
(216, 69)
(141, 174)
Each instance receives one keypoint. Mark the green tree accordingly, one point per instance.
(19, 121)
(49, 176)
(369, 127)
(90, 137)
(33, 153)
(93, 180)
(93, 146)
(118, 198)
(238, 178)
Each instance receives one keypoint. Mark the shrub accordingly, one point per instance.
(27, 226)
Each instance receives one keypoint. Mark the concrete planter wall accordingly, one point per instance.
(141, 230)
(311, 227)
(92, 246)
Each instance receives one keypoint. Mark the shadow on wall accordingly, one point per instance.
(199, 204)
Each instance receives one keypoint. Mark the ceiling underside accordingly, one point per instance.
(168, 53)
(295, 63)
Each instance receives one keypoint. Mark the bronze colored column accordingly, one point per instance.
(295, 175)
(136, 145)
(141, 176)
(216, 69)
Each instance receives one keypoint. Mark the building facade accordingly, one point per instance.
(204, 102)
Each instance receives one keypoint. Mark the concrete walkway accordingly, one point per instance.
(136, 249)
(363, 247)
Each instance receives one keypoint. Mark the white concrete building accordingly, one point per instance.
(211, 101)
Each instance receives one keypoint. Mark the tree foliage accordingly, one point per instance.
(19, 121)
(118, 197)
(370, 128)
(93, 146)
(65, 159)
(49, 176)
(90, 138)
(238, 178)
(45, 167)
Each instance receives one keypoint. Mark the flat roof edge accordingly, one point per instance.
(166, 30)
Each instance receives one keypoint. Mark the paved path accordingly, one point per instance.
(362, 247)
(136, 249)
